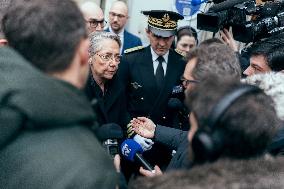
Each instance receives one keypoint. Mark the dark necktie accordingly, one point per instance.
(160, 73)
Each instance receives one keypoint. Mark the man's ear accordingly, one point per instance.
(83, 51)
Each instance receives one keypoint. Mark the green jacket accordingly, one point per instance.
(45, 140)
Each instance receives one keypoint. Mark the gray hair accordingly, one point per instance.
(273, 85)
(216, 59)
(96, 39)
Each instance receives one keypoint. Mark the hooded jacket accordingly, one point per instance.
(45, 136)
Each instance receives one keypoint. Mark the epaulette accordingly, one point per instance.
(180, 52)
(133, 49)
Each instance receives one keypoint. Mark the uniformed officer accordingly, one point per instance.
(151, 73)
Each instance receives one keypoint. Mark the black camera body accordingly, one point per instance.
(266, 20)
(225, 14)
(269, 21)
(111, 145)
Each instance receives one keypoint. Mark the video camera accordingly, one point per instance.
(266, 20)
(225, 14)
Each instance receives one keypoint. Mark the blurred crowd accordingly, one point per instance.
(85, 105)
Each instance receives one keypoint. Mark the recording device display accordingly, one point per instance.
(264, 20)
(132, 151)
(109, 134)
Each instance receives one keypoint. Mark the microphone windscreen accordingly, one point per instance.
(175, 104)
(129, 148)
(109, 131)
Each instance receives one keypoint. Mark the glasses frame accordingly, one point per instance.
(93, 23)
(186, 82)
(112, 58)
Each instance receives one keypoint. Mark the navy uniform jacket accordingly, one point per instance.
(143, 99)
(136, 70)
(129, 41)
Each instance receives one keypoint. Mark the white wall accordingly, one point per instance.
(82, 1)
(138, 22)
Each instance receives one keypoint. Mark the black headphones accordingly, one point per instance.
(208, 143)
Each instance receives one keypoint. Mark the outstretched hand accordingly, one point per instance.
(147, 173)
(143, 126)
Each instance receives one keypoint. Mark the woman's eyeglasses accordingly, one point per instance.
(109, 57)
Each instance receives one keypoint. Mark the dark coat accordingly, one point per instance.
(111, 107)
(45, 140)
(129, 41)
(137, 72)
(174, 139)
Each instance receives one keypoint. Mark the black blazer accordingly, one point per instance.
(143, 99)
(110, 108)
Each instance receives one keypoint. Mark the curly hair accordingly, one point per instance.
(273, 85)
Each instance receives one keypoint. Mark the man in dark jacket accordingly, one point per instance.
(118, 16)
(45, 122)
(150, 74)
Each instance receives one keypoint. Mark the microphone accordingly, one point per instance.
(197, 2)
(175, 104)
(179, 113)
(132, 151)
(109, 134)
